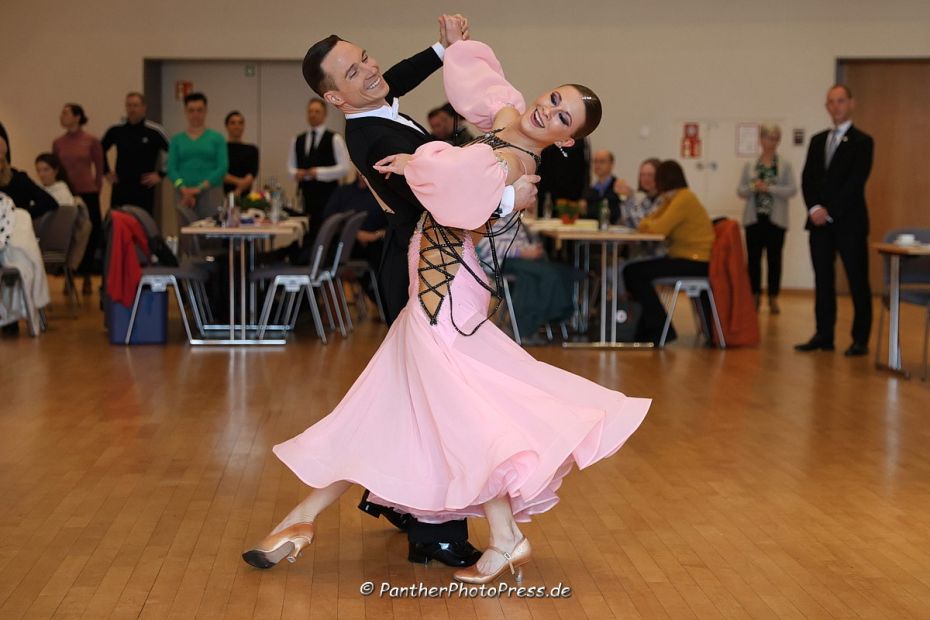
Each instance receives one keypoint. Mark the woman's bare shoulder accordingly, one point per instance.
(506, 116)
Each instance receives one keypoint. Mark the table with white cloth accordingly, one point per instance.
(583, 234)
(241, 241)
(895, 252)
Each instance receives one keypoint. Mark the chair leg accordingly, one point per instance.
(374, 286)
(713, 309)
(177, 295)
(315, 311)
(549, 336)
(73, 296)
(512, 314)
(207, 308)
(195, 310)
(266, 310)
(670, 310)
(132, 315)
(881, 327)
(926, 338)
(288, 316)
(341, 288)
(337, 307)
(564, 328)
(326, 306)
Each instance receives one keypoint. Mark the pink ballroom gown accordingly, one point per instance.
(438, 422)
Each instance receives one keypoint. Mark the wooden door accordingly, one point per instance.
(893, 106)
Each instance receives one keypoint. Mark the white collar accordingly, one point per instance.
(842, 128)
(390, 112)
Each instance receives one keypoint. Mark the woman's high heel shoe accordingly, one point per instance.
(287, 543)
(515, 560)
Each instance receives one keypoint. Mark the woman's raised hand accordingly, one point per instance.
(392, 164)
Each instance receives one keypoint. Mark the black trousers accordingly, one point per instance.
(315, 196)
(764, 236)
(638, 278)
(91, 261)
(825, 243)
(133, 194)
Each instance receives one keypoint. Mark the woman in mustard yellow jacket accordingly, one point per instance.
(689, 236)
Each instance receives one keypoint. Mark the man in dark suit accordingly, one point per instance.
(603, 187)
(837, 168)
(349, 79)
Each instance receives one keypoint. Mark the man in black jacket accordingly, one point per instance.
(833, 182)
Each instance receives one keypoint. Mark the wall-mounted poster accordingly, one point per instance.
(747, 140)
(691, 141)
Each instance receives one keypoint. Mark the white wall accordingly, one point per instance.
(654, 65)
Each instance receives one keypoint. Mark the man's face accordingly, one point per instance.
(442, 125)
(603, 164)
(839, 105)
(356, 77)
(196, 112)
(135, 109)
(316, 113)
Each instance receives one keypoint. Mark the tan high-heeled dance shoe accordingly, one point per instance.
(287, 543)
(520, 555)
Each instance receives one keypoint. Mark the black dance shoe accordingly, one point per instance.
(398, 520)
(814, 344)
(455, 554)
(856, 349)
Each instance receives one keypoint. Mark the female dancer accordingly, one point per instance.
(451, 418)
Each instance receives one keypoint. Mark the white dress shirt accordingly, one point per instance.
(323, 173)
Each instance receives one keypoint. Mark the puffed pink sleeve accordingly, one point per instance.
(475, 84)
(460, 186)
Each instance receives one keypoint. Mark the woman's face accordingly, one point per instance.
(554, 116)
(196, 113)
(67, 118)
(647, 178)
(235, 127)
(45, 173)
(769, 142)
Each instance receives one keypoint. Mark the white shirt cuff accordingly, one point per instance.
(507, 200)
(815, 208)
(439, 49)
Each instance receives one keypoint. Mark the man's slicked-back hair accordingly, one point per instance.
(313, 65)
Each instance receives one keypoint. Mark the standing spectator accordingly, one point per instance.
(445, 124)
(81, 154)
(6, 138)
(690, 236)
(243, 158)
(197, 161)
(766, 184)
(317, 160)
(603, 188)
(833, 182)
(565, 171)
(139, 144)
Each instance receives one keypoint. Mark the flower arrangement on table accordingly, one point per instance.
(254, 200)
(568, 210)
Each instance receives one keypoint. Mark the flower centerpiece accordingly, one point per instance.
(254, 200)
(568, 210)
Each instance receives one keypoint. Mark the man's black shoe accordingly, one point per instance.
(400, 521)
(856, 349)
(456, 554)
(814, 344)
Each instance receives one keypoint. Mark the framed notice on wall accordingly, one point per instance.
(747, 140)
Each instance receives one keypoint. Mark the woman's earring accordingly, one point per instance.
(561, 150)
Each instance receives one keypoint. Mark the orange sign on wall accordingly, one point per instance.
(182, 88)
(691, 141)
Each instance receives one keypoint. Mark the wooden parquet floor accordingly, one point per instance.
(763, 484)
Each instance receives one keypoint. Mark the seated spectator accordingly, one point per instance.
(634, 206)
(446, 125)
(19, 187)
(54, 180)
(243, 158)
(542, 290)
(690, 236)
(603, 188)
(20, 249)
(6, 138)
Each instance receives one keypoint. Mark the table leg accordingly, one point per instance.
(242, 287)
(603, 339)
(615, 265)
(251, 284)
(894, 318)
(232, 288)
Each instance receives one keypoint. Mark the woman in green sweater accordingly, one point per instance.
(689, 234)
(197, 161)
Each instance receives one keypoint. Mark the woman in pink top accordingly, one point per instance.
(81, 155)
(451, 418)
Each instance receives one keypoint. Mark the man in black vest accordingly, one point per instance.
(833, 182)
(317, 160)
(345, 75)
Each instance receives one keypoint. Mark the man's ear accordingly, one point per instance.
(566, 143)
(333, 98)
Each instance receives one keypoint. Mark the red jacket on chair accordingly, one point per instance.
(124, 273)
(729, 280)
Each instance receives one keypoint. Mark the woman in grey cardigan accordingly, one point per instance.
(766, 184)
